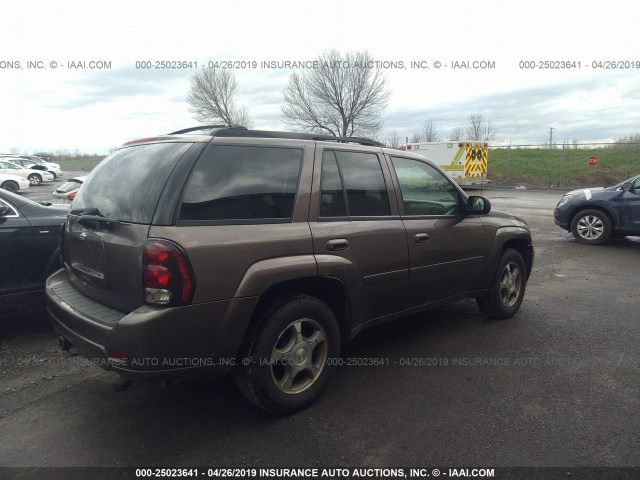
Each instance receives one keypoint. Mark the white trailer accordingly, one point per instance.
(465, 161)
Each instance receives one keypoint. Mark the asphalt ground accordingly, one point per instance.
(558, 385)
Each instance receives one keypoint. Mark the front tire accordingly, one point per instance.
(34, 179)
(505, 296)
(285, 363)
(10, 186)
(591, 227)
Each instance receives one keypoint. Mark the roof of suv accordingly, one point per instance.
(209, 131)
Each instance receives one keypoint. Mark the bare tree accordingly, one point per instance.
(416, 137)
(14, 150)
(211, 98)
(344, 96)
(480, 128)
(393, 139)
(430, 131)
(456, 134)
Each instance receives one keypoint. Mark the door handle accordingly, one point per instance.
(421, 237)
(337, 244)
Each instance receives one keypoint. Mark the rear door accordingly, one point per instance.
(447, 248)
(357, 233)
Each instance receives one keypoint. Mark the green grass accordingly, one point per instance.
(559, 167)
(84, 162)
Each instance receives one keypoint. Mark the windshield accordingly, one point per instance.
(126, 185)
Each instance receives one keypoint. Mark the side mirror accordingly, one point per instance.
(626, 187)
(4, 210)
(478, 205)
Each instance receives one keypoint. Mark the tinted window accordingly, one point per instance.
(425, 191)
(242, 183)
(361, 175)
(332, 200)
(126, 185)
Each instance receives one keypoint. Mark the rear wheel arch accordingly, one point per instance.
(329, 290)
(10, 186)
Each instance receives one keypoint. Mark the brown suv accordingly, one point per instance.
(262, 251)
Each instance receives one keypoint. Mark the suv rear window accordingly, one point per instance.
(237, 182)
(126, 185)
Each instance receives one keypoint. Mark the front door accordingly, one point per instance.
(447, 246)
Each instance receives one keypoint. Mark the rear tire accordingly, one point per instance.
(286, 362)
(591, 227)
(505, 296)
(10, 186)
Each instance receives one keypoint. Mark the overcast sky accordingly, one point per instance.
(92, 110)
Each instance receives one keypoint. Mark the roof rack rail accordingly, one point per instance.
(240, 131)
(360, 140)
(206, 127)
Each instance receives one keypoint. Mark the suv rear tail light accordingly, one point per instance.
(166, 274)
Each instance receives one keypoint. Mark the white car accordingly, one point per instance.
(67, 191)
(13, 183)
(40, 165)
(35, 177)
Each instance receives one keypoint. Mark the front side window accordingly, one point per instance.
(425, 191)
(352, 184)
(236, 182)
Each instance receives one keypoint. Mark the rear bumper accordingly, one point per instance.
(150, 341)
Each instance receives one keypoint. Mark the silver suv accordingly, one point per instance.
(221, 247)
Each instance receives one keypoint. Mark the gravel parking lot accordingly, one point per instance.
(557, 385)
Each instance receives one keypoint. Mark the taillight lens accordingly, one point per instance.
(72, 195)
(166, 274)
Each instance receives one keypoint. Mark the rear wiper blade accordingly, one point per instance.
(92, 211)
(93, 218)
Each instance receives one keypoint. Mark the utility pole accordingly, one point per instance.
(550, 137)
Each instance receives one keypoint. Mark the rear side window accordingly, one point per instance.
(352, 184)
(126, 185)
(242, 183)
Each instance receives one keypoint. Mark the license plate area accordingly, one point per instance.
(87, 255)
